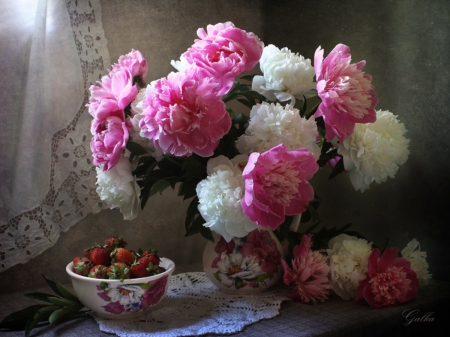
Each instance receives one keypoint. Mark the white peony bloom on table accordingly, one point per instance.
(375, 150)
(272, 124)
(220, 196)
(348, 257)
(285, 75)
(119, 189)
(418, 260)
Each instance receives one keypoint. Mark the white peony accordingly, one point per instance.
(348, 258)
(285, 75)
(220, 196)
(418, 260)
(375, 150)
(181, 64)
(272, 124)
(134, 129)
(118, 188)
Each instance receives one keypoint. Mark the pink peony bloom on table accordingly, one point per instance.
(276, 184)
(225, 52)
(309, 275)
(390, 280)
(110, 136)
(346, 92)
(183, 114)
(135, 62)
(261, 244)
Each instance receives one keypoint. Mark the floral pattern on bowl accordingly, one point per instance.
(131, 297)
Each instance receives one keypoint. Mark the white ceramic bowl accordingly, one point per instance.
(115, 299)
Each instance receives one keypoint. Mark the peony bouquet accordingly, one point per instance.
(250, 169)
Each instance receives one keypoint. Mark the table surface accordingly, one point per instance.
(334, 317)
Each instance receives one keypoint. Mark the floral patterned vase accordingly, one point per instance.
(247, 265)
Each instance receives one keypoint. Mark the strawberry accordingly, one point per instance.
(123, 255)
(82, 266)
(138, 270)
(152, 255)
(118, 270)
(98, 271)
(99, 255)
(114, 242)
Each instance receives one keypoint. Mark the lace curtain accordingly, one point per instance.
(51, 52)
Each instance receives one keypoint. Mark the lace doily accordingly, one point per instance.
(194, 306)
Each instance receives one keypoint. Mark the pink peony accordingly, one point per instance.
(135, 63)
(346, 92)
(309, 274)
(390, 280)
(259, 243)
(225, 52)
(183, 114)
(276, 184)
(155, 293)
(110, 136)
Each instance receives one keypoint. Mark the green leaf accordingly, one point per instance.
(42, 315)
(245, 102)
(191, 212)
(39, 296)
(196, 226)
(312, 227)
(145, 194)
(135, 148)
(66, 293)
(248, 77)
(188, 188)
(62, 301)
(62, 314)
(159, 187)
(52, 285)
(206, 233)
(18, 320)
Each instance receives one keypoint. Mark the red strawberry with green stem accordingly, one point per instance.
(123, 255)
(114, 242)
(82, 266)
(99, 255)
(98, 271)
(118, 270)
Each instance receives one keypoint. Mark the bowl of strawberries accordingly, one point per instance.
(118, 283)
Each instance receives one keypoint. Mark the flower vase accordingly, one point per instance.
(243, 266)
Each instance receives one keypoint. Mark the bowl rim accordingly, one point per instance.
(170, 268)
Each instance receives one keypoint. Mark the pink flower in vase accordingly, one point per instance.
(346, 92)
(276, 184)
(135, 62)
(260, 244)
(183, 114)
(390, 280)
(110, 136)
(309, 275)
(225, 52)
(222, 247)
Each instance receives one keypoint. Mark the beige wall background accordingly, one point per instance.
(406, 45)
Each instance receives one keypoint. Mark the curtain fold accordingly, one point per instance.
(52, 51)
